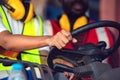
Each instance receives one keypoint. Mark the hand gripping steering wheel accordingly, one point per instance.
(77, 56)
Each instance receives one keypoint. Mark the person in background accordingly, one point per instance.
(53, 9)
(73, 17)
(22, 33)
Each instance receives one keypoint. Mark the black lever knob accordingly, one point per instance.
(101, 45)
(62, 68)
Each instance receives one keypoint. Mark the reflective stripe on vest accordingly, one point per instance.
(4, 19)
(34, 54)
(29, 29)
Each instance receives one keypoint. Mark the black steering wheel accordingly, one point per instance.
(75, 56)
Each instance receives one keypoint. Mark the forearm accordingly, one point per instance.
(19, 42)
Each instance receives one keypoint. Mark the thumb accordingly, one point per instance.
(66, 74)
(72, 76)
(74, 40)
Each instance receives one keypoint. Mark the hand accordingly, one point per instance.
(71, 77)
(66, 74)
(61, 39)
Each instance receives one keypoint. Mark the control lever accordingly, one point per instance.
(102, 45)
(62, 68)
(82, 69)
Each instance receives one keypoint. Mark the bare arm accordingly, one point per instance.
(19, 42)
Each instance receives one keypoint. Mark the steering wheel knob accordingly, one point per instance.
(101, 45)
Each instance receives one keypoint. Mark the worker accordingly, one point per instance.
(73, 17)
(22, 33)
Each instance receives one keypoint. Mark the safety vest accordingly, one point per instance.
(29, 29)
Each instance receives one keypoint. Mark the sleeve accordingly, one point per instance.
(44, 48)
(48, 27)
(2, 28)
(45, 33)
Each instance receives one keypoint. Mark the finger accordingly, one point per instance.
(71, 77)
(61, 43)
(57, 45)
(74, 40)
(66, 74)
(67, 34)
(63, 38)
(56, 40)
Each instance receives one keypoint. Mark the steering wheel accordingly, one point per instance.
(76, 56)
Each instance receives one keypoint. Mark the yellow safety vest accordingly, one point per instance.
(29, 29)
(34, 54)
